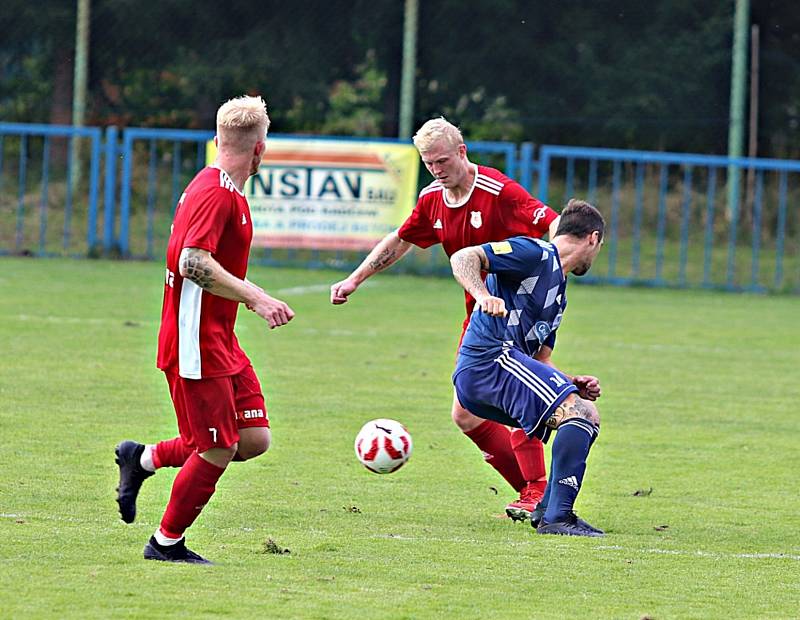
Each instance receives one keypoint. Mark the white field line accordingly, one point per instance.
(302, 290)
(706, 554)
(673, 348)
(315, 288)
(294, 290)
(27, 517)
(72, 320)
(695, 553)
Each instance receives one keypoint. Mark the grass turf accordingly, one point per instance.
(699, 406)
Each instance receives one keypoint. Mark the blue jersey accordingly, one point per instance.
(526, 273)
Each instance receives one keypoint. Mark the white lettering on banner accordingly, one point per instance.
(330, 194)
(310, 183)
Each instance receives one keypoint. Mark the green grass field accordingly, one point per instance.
(700, 397)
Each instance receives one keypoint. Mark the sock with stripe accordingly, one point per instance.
(546, 497)
(166, 541)
(193, 487)
(170, 453)
(571, 446)
(494, 440)
(529, 453)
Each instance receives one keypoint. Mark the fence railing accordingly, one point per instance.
(157, 164)
(50, 186)
(682, 219)
(673, 219)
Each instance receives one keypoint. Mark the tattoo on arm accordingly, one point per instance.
(197, 270)
(466, 269)
(383, 260)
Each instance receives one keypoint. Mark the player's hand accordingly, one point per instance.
(341, 291)
(273, 311)
(493, 306)
(588, 386)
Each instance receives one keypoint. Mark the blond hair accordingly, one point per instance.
(241, 122)
(437, 130)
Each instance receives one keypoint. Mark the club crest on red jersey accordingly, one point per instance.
(475, 219)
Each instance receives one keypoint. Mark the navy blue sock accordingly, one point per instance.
(570, 448)
(546, 497)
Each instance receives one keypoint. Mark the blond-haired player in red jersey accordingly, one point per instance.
(217, 396)
(468, 205)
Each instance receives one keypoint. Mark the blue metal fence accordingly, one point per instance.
(147, 201)
(162, 146)
(670, 220)
(44, 155)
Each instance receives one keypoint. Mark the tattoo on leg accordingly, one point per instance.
(197, 271)
(558, 416)
(570, 408)
(580, 409)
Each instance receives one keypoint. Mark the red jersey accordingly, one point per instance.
(196, 338)
(495, 208)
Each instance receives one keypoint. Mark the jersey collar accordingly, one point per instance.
(238, 191)
(466, 198)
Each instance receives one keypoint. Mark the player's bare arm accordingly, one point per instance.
(551, 230)
(202, 268)
(388, 251)
(588, 386)
(467, 264)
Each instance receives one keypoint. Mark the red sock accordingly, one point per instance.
(193, 487)
(171, 453)
(530, 458)
(494, 441)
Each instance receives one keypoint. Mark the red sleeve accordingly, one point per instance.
(418, 228)
(207, 214)
(525, 214)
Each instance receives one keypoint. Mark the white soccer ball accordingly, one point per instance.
(383, 446)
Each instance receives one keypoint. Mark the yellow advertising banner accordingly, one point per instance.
(330, 194)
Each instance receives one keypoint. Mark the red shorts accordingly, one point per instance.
(211, 411)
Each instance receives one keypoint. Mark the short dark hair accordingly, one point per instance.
(580, 219)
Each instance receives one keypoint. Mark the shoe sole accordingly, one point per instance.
(585, 534)
(518, 514)
(132, 516)
(153, 554)
(119, 500)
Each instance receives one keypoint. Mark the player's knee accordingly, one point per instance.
(463, 418)
(253, 444)
(591, 410)
(220, 457)
(223, 452)
(576, 407)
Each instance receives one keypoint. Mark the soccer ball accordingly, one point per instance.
(383, 446)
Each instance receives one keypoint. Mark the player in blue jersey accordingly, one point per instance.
(504, 371)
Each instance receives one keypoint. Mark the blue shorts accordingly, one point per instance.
(513, 389)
